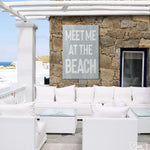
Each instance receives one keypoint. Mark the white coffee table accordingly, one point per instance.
(59, 120)
(143, 116)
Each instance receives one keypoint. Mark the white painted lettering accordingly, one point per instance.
(92, 66)
(74, 61)
(68, 66)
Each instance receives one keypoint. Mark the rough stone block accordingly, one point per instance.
(142, 26)
(55, 25)
(106, 41)
(93, 82)
(141, 18)
(56, 57)
(57, 44)
(103, 32)
(120, 43)
(83, 83)
(146, 35)
(107, 75)
(107, 23)
(105, 61)
(108, 50)
(144, 43)
(116, 62)
(134, 34)
(127, 23)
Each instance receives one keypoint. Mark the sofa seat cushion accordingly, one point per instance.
(84, 95)
(103, 94)
(108, 104)
(25, 109)
(40, 132)
(54, 105)
(112, 112)
(65, 94)
(83, 109)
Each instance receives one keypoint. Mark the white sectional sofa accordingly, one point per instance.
(88, 99)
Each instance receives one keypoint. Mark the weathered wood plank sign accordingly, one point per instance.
(80, 52)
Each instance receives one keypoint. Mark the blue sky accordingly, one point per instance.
(8, 37)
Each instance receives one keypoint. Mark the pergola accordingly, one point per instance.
(36, 10)
(42, 10)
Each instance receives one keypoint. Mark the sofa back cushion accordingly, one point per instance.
(141, 95)
(45, 94)
(26, 109)
(103, 94)
(112, 112)
(84, 95)
(65, 94)
(123, 94)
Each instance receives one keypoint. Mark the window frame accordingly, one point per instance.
(143, 51)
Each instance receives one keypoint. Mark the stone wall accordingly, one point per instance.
(115, 32)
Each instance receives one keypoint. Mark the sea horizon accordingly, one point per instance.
(5, 63)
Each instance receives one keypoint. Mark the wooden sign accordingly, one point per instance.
(80, 52)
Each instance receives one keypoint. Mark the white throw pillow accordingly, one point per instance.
(112, 112)
(123, 94)
(45, 94)
(25, 109)
(141, 95)
(65, 94)
(84, 95)
(103, 94)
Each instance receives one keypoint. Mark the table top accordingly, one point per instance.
(59, 112)
(141, 112)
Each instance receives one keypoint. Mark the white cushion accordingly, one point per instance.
(84, 95)
(123, 94)
(96, 107)
(119, 103)
(103, 94)
(25, 109)
(112, 112)
(65, 94)
(141, 95)
(45, 94)
(83, 109)
(108, 104)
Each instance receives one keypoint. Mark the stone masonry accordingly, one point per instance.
(115, 32)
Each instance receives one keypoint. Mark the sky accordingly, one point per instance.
(8, 37)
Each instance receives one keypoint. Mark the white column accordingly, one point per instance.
(26, 57)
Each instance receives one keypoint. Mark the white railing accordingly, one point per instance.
(16, 94)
